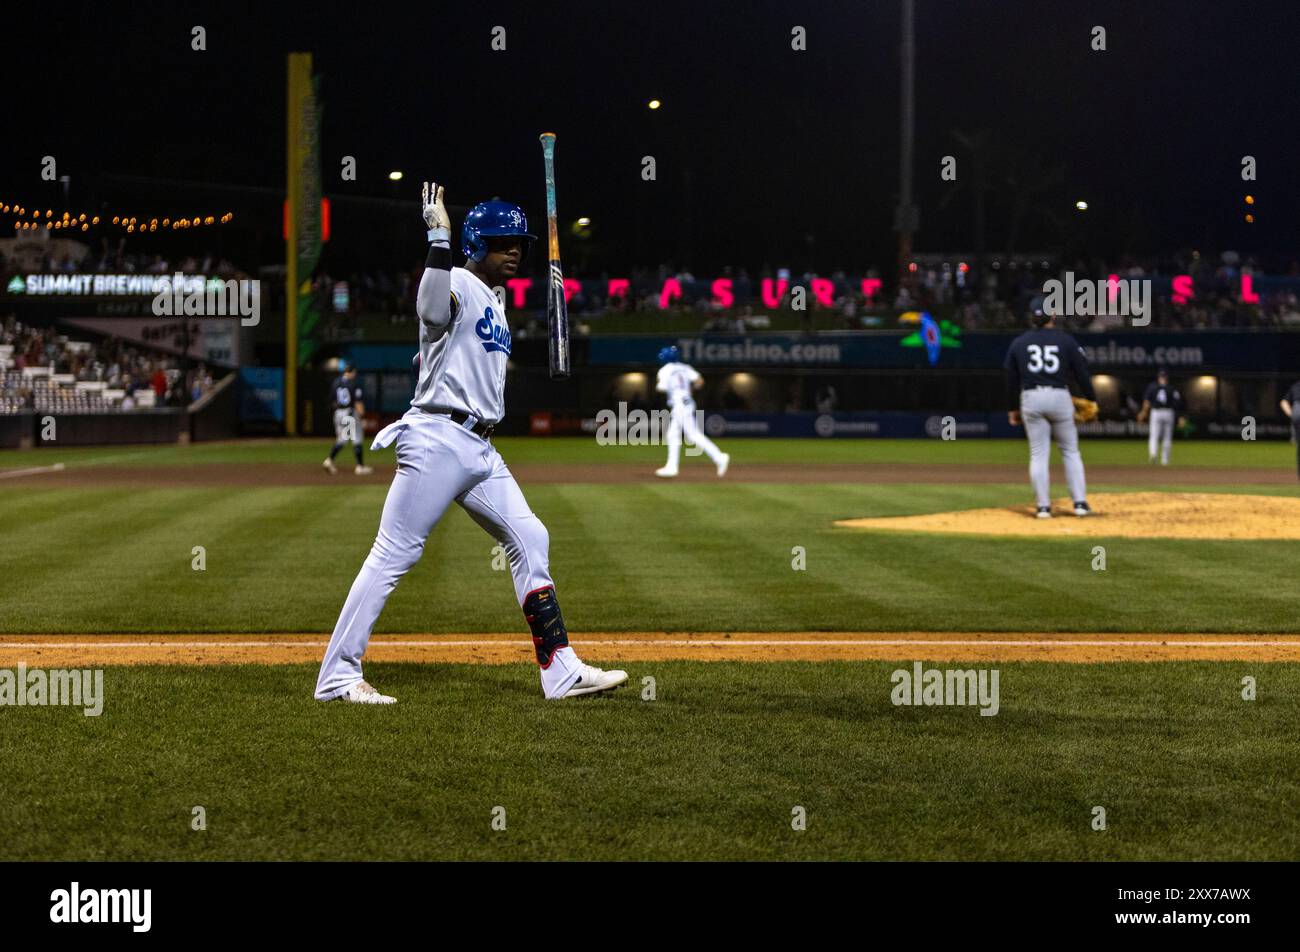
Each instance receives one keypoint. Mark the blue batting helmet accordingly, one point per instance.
(494, 219)
(669, 355)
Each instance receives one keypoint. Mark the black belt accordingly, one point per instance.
(478, 429)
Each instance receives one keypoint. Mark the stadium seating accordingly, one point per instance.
(46, 372)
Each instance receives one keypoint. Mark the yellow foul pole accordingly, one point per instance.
(299, 87)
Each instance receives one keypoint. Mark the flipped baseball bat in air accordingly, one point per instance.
(557, 311)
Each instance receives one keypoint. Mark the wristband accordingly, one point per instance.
(439, 258)
(439, 234)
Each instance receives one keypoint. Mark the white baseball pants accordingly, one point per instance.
(439, 461)
(1048, 413)
(682, 421)
(1162, 433)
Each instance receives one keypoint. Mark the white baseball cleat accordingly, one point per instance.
(330, 467)
(593, 680)
(1082, 509)
(666, 472)
(1044, 512)
(363, 470)
(723, 464)
(363, 693)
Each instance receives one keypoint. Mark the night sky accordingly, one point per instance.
(766, 156)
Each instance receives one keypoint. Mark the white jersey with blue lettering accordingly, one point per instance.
(463, 364)
(675, 379)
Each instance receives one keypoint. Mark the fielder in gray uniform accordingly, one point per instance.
(444, 455)
(348, 413)
(1290, 405)
(1039, 365)
(1162, 403)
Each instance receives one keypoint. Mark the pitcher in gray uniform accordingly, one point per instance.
(1040, 365)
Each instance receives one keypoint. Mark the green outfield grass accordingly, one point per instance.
(710, 769)
(744, 451)
(642, 556)
(654, 556)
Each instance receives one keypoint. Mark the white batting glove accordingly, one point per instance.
(435, 213)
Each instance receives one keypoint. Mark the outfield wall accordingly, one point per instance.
(93, 429)
(861, 425)
(15, 430)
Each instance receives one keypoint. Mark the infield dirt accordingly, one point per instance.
(1163, 515)
(510, 648)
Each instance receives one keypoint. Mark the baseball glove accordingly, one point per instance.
(1084, 410)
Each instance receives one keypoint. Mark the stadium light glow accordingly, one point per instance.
(655, 104)
(1081, 205)
(395, 176)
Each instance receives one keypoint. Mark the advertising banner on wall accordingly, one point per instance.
(261, 394)
(1183, 351)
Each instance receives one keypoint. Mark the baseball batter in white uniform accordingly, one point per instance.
(679, 381)
(1163, 404)
(444, 455)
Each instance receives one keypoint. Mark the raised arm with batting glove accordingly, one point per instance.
(433, 301)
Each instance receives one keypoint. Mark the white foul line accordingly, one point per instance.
(661, 642)
(33, 471)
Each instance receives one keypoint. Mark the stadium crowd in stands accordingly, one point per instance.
(993, 296)
(987, 295)
(46, 371)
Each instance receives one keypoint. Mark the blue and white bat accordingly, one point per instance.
(557, 311)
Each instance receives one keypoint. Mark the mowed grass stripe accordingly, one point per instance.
(62, 571)
(742, 557)
(32, 521)
(609, 554)
(657, 556)
(264, 555)
(1250, 583)
(150, 563)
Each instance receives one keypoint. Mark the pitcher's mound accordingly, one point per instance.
(1138, 515)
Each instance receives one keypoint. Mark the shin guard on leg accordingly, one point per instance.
(557, 664)
(544, 618)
